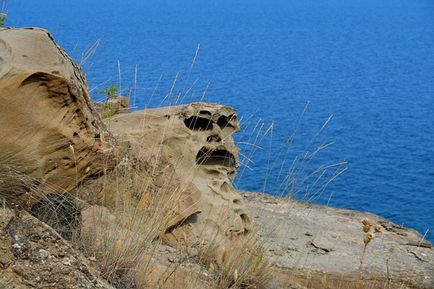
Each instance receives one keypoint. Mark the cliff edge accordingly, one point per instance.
(146, 200)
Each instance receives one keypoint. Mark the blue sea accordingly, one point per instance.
(335, 97)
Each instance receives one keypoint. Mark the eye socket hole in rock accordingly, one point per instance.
(205, 112)
(219, 157)
(198, 123)
(225, 121)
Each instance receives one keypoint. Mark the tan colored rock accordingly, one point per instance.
(316, 247)
(48, 127)
(196, 142)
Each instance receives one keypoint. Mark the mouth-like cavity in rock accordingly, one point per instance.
(217, 157)
(198, 123)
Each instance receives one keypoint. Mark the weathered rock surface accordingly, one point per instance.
(33, 255)
(313, 246)
(196, 141)
(48, 127)
(52, 139)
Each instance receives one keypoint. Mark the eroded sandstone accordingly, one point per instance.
(49, 130)
(197, 143)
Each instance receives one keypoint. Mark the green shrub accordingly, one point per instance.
(3, 17)
(112, 92)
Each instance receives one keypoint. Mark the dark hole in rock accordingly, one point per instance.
(213, 138)
(198, 123)
(218, 157)
(225, 187)
(246, 220)
(224, 121)
(189, 220)
(237, 201)
(61, 212)
(205, 112)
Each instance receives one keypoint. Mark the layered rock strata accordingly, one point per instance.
(49, 130)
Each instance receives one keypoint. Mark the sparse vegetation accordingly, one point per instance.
(369, 235)
(3, 17)
(111, 92)
(241, 263)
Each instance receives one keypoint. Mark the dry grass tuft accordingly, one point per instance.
(122, 235)
(368, 237)
(241, 263)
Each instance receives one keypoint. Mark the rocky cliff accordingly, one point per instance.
(145, 199)
(49, 130)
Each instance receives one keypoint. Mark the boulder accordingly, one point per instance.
(196, 142)
(49, 129)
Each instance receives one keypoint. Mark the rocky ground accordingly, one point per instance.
(157, 185)
(33, 255)
(313, 246)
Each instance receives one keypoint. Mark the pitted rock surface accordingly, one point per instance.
(196, 140)
(48, 127)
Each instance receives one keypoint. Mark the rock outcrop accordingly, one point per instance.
(49, 130)
(160, 174)
(33, 255)
(196, 141)
(312, 246)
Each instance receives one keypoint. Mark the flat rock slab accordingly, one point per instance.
(313, 246)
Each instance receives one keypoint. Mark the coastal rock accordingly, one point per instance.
(196, 141)
(49, 130)
(312, 246)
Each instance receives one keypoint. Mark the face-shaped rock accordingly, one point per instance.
(202, 152)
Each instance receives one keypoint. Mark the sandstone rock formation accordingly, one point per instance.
(196, 141)
(169, 175)
(48, 128)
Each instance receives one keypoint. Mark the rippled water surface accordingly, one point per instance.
(368, 63)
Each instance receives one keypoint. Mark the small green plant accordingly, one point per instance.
(112, 92)
(3, 17)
